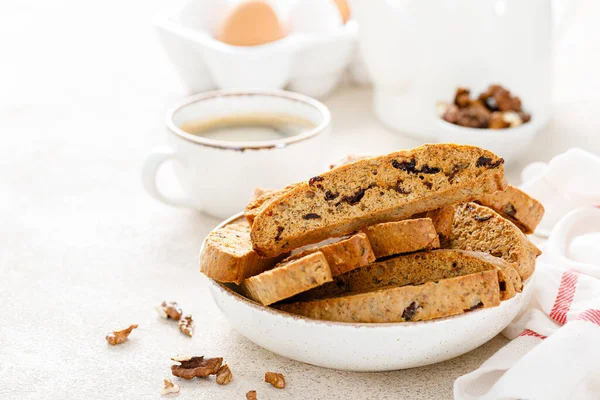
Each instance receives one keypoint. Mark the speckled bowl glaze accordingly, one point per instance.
(363, 347)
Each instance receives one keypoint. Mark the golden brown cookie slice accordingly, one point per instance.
(516, 206)
(479, 228)
(261, 199)
(413, 269)
(442, 219)
(228, 256)
(343, 255)
(375, 190)
(430, 300)
(390, 238)
(288, 279)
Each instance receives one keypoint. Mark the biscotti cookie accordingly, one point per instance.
(516, 206)
(375, 190)
(261, 199)
(399, 237)
(480, 228)
(511, 274)
(407, 303)
(288, 279)
(411, 269)
(442, 219)
(508, 288)
(344, 255)
(228, 256)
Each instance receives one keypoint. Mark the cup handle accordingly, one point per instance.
(153, 162)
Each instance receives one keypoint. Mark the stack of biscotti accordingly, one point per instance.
(393, 238)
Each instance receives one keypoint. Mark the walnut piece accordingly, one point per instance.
(169, 310)
(195, 367)
(224, 375)
(169, 387)
(251, 395)
(472, 117)
(497, 98)
(495, 108)
(512, 118)
(186, 325)
(275, 379)
(118, 337)
(524, 116)
(497, 121)
(462, 98)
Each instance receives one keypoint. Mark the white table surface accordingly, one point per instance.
(83, 250)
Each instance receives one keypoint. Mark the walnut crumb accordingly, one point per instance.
(169, 310)
(186, 325)
(118, 337)
(251, 395)
(169, 387)
(275, 379)
(191, 367)
(224, 375)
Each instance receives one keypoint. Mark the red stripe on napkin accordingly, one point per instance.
(564, 298)
(591, 316)
(529, 332)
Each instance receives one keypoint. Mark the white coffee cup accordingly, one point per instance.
(218, 177)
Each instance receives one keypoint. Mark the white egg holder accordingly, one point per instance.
(311, 64)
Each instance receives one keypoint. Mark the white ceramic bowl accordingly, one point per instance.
(306, 63)
(508, 143)
(363, 347)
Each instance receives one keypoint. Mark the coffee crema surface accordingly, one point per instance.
(249, 127)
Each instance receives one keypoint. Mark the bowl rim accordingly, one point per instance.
(527, 128)
(317, 322)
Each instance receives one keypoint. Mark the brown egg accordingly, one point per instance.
(342, 5)
(251, 23)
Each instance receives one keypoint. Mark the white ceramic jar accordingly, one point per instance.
(419, 52)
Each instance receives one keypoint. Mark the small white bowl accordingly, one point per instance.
(509, 143)
(306, 63)
(363, 347)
